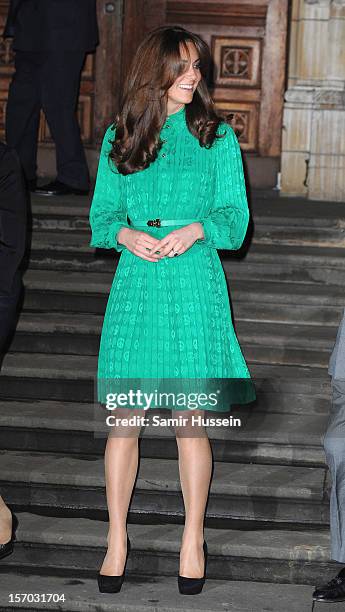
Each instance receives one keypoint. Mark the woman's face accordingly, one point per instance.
(181, 92)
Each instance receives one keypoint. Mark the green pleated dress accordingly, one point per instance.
(170, 320)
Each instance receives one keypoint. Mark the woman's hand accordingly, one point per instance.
(179, 240)
(139, 243)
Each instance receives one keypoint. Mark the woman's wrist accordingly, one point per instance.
(199, 230)
(121, 234)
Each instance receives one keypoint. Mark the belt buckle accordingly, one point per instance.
(154, 222)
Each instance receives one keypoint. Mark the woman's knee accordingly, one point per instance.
(189, 426)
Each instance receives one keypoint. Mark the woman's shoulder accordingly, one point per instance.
(110, 132)
(108, 139)
(106, 147)
(226, 131)
(226, 139)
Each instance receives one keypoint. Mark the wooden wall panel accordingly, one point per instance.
(237, 61)
(133, 31)
(6, 67)
(107, 65)
(244, 119)
(218, 13)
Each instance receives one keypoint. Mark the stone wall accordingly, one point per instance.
(313, 143)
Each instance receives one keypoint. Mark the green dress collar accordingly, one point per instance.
(176, 119)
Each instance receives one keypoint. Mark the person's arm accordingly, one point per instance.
(13, 204)
(107, 212)
(226, 225)
(13, 213)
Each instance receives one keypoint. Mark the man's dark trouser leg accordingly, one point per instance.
(60, 79)
(23, 110)
(334, 445)
(8, 312)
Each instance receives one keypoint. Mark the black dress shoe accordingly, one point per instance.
(56, 188)
(7, 549)
(333, 591)
(113, 584)
(192, 586)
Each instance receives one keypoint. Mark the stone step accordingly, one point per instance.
(280, 434)
(250, 333)
(76, 546)
(278, 231)
(271, 202)
(79, 334)
(254, 353)
(79, 242)
(299, 234)
(38, 300)
(280, 211)
(284, 356)
(265, 291)
(63, 251)
(294, 294)
(239, 270)
(72, 377)
(283, 273)
(266, 231)
(277, 334)
(39, 375)
(88, 292)
(284, 224)
(326, 316)
(155, 593)
(88, 345)
(71, 333)
(67, 219)
(246, 492)
(70, 291)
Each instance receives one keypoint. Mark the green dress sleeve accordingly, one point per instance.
(107, 212)
(226, 225)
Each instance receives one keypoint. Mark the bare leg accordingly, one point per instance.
(195, 466)
(5, 523)
(121, 465)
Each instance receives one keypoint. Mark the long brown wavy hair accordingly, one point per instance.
(155, 67)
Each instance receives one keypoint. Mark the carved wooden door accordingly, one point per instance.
(248, 44)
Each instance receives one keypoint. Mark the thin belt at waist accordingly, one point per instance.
(160, 222)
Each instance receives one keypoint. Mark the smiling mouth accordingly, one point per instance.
(187, 87)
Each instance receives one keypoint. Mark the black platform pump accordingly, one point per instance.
(193, 586)
(7, 549)
(113, 584)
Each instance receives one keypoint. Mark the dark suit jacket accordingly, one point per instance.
(46, 25)
(13, 215)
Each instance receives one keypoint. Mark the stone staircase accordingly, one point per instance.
(267, 519)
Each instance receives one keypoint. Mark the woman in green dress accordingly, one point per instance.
(170, 191)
